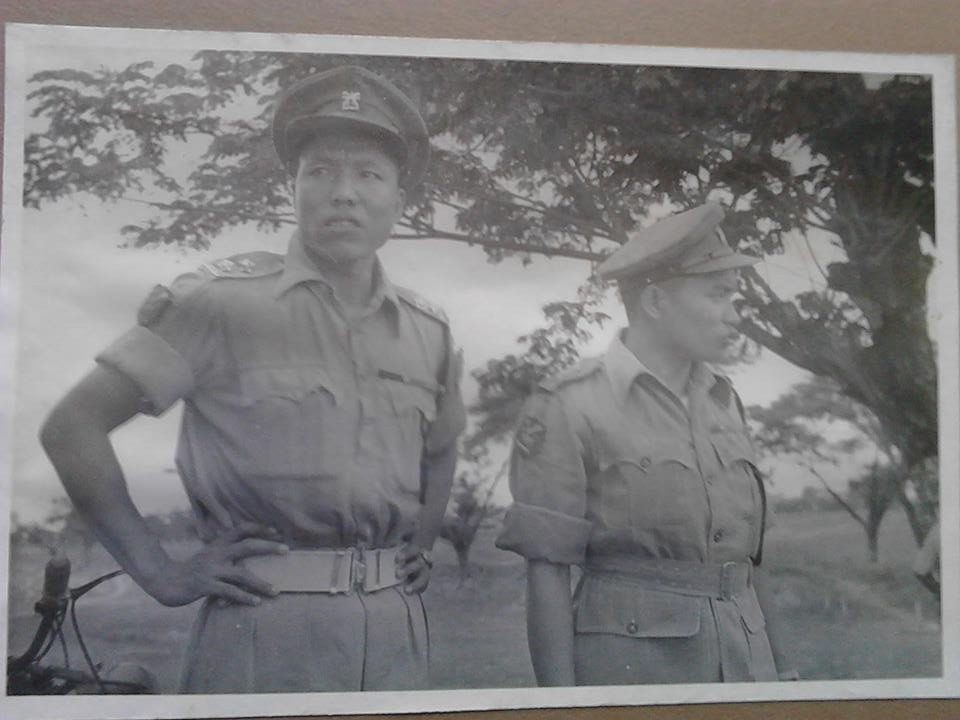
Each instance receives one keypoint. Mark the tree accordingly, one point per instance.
(875, 489)
(563, 159)
(472, 505)
(797, 424)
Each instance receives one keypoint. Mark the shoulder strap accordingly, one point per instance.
(245, 265)
(579, 371)
(422, 304)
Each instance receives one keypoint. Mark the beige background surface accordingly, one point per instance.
(901, 26)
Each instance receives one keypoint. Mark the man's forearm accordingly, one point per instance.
(93, 479)
(550, 623)
(77, 441)
(438, 480)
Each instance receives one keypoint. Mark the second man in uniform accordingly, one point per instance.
(637, 467)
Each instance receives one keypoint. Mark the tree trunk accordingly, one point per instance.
(873, 532)
(463, 564)
(913, 517)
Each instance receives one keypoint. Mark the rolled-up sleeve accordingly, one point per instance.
(171, 354)
(548, 483)
(161, 373)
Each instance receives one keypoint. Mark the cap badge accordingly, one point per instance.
(350, 100)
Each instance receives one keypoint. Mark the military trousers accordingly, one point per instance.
(310, 642)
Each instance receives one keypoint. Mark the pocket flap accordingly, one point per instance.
(621, 609)
(647, 457)
(294, 383)
(407, 396)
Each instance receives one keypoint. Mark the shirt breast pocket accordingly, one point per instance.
(277, 384)
(740, 482)
(653, 490)
(291, 418)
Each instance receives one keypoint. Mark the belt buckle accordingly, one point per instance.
(358, 570)
(727, 578)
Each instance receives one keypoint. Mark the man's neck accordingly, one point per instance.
(671, 370)
(352, 282)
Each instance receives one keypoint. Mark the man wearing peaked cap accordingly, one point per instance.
(352, 97)
(321, 408)
(637, 467)
(689, 243)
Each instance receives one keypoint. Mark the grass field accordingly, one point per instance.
(843, 617)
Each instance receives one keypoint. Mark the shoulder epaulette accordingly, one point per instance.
(423, 305)
(245, 265)
(583, 369)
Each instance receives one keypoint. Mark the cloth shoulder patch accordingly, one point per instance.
(245, 265)
(162, 297)
(423, 305)
(580, 371)
(529, 437)
(154, 306)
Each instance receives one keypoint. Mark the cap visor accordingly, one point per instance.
(305, 129)
(728, 262)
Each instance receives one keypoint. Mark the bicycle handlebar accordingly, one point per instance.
(25, 675)
(56, 578)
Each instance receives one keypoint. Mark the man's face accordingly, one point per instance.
(348, 197)
(698, 317)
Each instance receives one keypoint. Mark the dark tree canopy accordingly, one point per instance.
(564, 159)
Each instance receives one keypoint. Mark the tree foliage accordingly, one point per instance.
(563, 159)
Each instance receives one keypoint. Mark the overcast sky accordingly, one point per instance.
(80, 290)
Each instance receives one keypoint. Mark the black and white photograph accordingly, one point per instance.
(340, 371)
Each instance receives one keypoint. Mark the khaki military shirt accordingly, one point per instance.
(295, 416)
(609, 464)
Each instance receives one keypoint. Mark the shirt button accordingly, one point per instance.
(632, 627)
(718, 536)
(644, 463)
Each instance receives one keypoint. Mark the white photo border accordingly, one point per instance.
(20, 38)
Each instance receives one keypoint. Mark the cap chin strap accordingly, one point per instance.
(669, 271)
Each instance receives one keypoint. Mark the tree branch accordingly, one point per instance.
(839, 498)
(431, 233)
(171, 207)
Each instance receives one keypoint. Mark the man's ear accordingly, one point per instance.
(401, 202)
(651, 300)
(293, 175)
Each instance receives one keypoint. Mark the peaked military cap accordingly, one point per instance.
(688, 243)
(345, 97)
